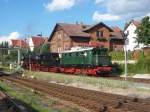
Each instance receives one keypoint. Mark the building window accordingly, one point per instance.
(99, 34)
(59, 36)
(59, 50)
(66, 47)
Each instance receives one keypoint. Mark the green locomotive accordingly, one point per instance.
(95, 61)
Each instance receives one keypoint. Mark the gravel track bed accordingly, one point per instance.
(92, 100)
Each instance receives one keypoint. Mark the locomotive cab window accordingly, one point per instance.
(73, 54)
(69, 54)
(77, 54)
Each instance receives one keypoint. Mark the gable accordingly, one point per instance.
(56, 28)
(132, 23)
(131, 28)
(97, 26)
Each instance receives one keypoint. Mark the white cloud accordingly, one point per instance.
(129, 8)
(56, 5)
(104, 17)
(99, 1)
(148, 14)
(126, 9)
(12, 35)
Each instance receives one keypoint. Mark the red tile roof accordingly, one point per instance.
(116, 29)
(72, 30)
(75, 29)
(38, 40)
(117, 33)
(136, 23)
(19, 43)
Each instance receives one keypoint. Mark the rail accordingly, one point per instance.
(11, 103)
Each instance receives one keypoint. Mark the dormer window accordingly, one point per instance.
(99, 34)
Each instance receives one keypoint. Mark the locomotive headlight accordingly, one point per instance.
(37, 57)
(85, 54)
(60, 55)
(8, 52)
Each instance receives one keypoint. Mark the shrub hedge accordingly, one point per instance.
(142, 66)
(119, 55)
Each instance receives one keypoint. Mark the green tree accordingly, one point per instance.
(45, 48)
(36, 50)
(143, 31)
(3, 51)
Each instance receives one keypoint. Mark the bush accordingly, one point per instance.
(137, 54)
(119, 55)
(142, 65)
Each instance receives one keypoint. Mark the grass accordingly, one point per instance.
(36, 101)
(67, 79)
(7, 70)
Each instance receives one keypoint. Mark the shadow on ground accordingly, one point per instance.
(116, 70)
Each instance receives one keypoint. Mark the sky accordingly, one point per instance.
(21, 18)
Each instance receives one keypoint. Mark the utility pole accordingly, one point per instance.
(28, 38)
(19, 53)
(18, 57)
(125, 35)
(126, 70)
(1, 57)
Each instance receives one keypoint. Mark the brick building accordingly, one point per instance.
(65, 36)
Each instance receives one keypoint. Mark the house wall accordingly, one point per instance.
(116, 45)
(78, 41)
(60, 41)
(106, 35)
(31, 45)
(131, 37)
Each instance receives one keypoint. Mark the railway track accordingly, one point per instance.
(92, 100)
(7, 104)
